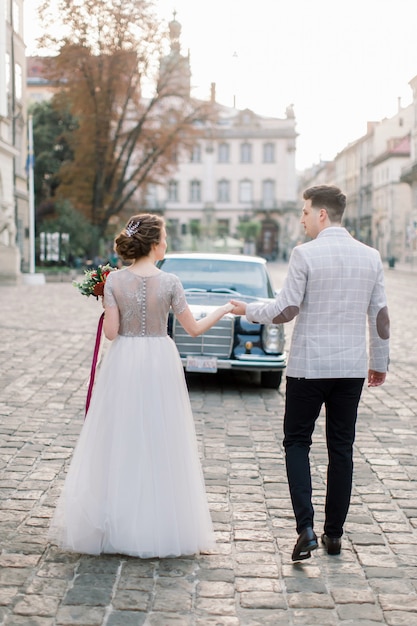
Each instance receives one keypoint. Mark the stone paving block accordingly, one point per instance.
(215, 589)
(80, 616)
(47, 586)
(172, 600)
(16, 620)
(169, 619)
(400, 618)
(216, 606)
(14, 576)
(126, 618)
(384, 572)
(89, 595)
(218, 621)
(261, 570)
(43, 606)
(263, 600)
(398, 602)
(359, 612)
(313, 617)
(7, 595)
(305, 584)
(125, 600)
(18, 560)
(345, 595)
(261, 585)
(304, 600)
(129, 581)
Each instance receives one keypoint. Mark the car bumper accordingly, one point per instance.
(243, 362)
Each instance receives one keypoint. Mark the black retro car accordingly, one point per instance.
(210, 280)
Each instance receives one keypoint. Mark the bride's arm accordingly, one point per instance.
(198, 327)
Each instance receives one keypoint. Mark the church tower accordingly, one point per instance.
(174, 66)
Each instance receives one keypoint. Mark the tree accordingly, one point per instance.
(69, 222)
(125, 139)
(52, 129)
(249, 229)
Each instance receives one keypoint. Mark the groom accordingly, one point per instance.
(334, 286)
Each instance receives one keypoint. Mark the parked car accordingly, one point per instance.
(233, 343)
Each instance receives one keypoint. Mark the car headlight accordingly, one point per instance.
(272, 338)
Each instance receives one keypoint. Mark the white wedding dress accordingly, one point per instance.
(135, 484)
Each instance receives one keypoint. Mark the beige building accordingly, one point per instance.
(409, 176)
(38, 88)
(241, 169)
(14, 215)
(369, 170)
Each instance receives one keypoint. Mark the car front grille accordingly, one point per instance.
(218, 341)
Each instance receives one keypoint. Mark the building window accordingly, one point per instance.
(16, 17)
(195, 154)
(18, 81)
(7, 72)
(269, 153)
(224, 153)
(223, 191)
(246, 153)
(173, 191)
(195, 191)
(268, 193)
(151, 197)
(245, 191)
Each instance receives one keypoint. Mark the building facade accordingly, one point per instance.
(14, 214)
(238, 181)
(240, 171)
(409, 176)
(369, 170)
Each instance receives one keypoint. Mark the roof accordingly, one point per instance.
(216, 255)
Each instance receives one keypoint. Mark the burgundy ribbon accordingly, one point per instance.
(94, 363)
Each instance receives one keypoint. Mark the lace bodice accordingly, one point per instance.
(144, 301)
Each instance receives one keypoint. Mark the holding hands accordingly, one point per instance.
(238, 307)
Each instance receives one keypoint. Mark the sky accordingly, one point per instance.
(339, 63)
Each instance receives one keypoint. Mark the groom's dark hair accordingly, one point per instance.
(328, 197)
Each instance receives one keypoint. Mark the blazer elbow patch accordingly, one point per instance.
(286, 315)
(382, 323)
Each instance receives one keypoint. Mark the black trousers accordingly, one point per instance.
(303, 402)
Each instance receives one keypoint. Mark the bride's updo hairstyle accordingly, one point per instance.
(138, 236)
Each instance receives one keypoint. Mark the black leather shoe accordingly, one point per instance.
(332, 544)
(306, 542)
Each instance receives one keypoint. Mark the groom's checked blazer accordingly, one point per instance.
(333, 286)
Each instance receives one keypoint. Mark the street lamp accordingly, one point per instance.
(32, 278)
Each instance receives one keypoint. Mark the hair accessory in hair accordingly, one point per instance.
(132, 228)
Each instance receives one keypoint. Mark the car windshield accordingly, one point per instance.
(244, 277)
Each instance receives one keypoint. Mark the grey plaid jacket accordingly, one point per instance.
(334, 285)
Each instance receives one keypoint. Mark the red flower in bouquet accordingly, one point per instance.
(94, 280)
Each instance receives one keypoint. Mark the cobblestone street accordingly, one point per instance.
(47, 335)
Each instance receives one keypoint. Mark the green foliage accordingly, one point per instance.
(94, 279)
(69, 220)
(195, 228)
(52, 129)
(249, 230)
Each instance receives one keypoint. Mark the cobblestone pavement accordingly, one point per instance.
(46, 340)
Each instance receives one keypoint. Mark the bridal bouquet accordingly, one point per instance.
(93, 283)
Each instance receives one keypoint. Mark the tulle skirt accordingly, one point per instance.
(135, 484)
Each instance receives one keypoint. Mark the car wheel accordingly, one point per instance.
(271, 380)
